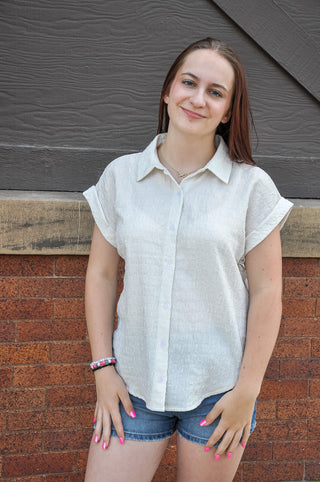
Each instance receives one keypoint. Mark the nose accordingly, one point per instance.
(198, 98)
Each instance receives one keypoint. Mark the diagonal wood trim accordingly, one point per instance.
(280, 36)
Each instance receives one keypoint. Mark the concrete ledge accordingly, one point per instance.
(61, 223)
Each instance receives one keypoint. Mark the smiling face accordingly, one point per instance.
(200, 94)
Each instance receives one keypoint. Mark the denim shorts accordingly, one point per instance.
(151, 425)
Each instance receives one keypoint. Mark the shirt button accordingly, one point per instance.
(165, 306)
(160, 380)
(171, 227)
(179, 193)
(163, 344)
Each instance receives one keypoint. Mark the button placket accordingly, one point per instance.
(165, 295)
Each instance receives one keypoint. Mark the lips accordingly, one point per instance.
(192, 114)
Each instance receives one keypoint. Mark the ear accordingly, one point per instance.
(166, 98)
(226, 118)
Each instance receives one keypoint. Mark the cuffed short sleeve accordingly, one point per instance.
(101, 202)
(267, 208)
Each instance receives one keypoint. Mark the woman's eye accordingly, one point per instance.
(215, 93)
(187, 82)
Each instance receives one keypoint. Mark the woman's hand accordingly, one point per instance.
(110, 391)
(236, 409)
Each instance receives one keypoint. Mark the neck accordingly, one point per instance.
(185, 152)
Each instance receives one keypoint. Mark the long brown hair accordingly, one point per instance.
(235, 132)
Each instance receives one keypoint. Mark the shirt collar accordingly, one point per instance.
(220, 164)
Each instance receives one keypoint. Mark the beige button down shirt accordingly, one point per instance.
(183, 310)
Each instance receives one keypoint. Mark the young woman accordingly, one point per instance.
(198, 225)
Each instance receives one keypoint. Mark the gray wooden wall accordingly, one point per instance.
(80, 83)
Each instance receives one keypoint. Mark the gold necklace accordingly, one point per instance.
(181, 174)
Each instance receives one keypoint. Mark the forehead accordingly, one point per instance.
(209, 66)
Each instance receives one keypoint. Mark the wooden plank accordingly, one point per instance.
(280, 36)
(61, 223)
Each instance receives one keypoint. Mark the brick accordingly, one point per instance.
(16, 354)
(170, 455)
(314, 429)
(20, 443)
(301, 288)
(48, 419)
(7, 331)
(15, 399)
(44, 375)
(71, 396)
(292, 348)
(313, 408)
(296, 369)
(280, 430)
(266, 409)
(3, 422)
(78, 477)
(71, 265)
(26, 265)
(8, 288)
(37, 464)
(86, 416)
(258, 451)
(25, 309)
(315, 348)
(297, 267)
(292, 409)
(296, 450)
(89, 376)
(6, 377)
(312, 471)
(51, 288)
(318, 308)
(69, 309)
(284, 389)
(32, 478)
(315, 388)
(298, 307)
(67, 440)
(301, 327)
(165, 474)
(267, 471)
(51, 331)
(272, 371)
(81, 461)
(76, 352)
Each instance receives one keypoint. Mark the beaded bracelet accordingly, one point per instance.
(104, 362)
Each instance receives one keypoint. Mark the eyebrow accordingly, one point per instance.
(213, 83)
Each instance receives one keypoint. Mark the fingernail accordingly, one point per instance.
(133, 414)
(229, 455)
(121, 440)
(96, 439)
(206, 449)
(217, 457)
(94, 419)
(104, 445)
(203, 422)
(243, 444)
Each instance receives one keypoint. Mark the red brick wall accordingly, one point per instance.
(47, 394)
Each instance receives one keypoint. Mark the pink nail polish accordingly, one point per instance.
(206, 449)
(229, 455)
(94, 419)
(104, 445)
(217, 457)
(243, 444)
(133, 414)
(121, 440)
(96, 439)
(203, 422)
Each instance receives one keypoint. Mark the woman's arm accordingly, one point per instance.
(264, 272)
(100, 301)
